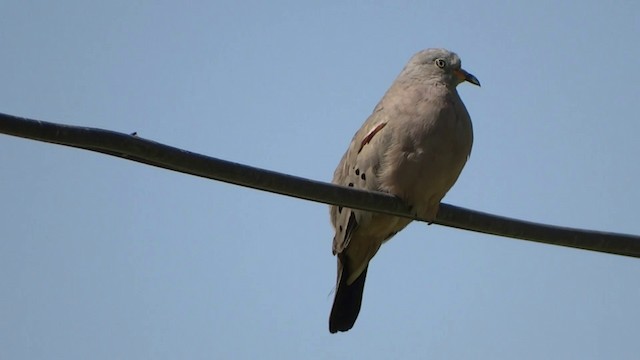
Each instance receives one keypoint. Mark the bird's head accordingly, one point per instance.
(438, 65)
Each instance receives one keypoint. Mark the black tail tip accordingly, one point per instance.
(347, 303)
(335, 327)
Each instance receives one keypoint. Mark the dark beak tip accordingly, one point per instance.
(472, 79)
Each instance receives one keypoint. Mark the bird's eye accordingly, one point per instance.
(440, 63)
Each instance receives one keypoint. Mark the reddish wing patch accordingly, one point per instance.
(370, 135)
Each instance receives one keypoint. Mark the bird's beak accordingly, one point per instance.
(462, 75)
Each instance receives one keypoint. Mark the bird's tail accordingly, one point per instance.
(346, 304)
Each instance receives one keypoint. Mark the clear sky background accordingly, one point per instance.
(101, 258)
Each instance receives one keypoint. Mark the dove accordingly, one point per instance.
(413, 146)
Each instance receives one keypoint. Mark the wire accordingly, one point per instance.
(134, 148)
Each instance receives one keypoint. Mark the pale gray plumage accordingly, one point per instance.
(414, 146)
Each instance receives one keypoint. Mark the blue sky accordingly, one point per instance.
(103, 258)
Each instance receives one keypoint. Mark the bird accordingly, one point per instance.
(412, 146)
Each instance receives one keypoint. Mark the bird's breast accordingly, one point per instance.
(431, 148)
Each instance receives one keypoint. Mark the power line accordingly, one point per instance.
(134, 148)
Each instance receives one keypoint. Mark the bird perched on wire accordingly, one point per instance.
(414, 146)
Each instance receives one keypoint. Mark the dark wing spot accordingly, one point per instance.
(357, 171)
(339, 209)
(340, 228)
(350, 185)
(363, 177)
